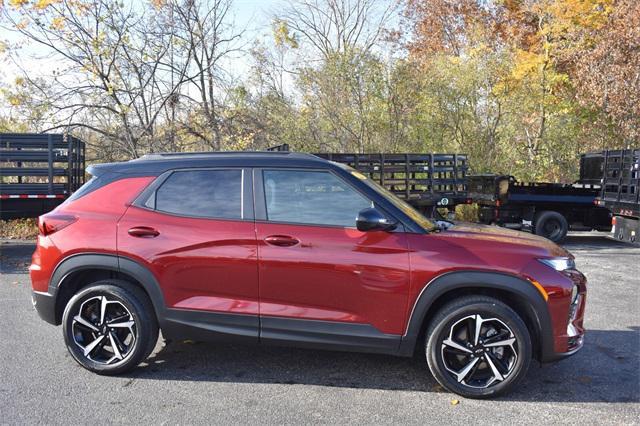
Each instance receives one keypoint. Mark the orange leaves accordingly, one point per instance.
(527, 63)
(569, 14)
(18, 3)
(606, 68)
(22, 24)
(282, 34)
(445, 25)
(158, 4)
(57, 23)
(43, 4)
(38, 5)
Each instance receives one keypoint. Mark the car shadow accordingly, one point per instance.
(605, 370)
(598, 241)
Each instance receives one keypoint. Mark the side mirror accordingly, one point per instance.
(372, 220)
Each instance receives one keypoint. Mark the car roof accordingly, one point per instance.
(157, 163)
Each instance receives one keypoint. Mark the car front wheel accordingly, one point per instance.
(478, 347)
(110, 327)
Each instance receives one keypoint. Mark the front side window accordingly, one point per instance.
(399, 203)
(311, 197)
(202, 193)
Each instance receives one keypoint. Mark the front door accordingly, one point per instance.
(323, 282)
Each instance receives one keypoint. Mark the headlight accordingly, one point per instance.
(573, 310)
(559, 263)
(574, 295)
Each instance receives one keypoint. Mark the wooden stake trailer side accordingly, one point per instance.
(38, 172)
(426, 181)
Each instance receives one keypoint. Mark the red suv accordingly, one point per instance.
(291, 249)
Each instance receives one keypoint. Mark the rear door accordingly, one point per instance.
(323, 282)
(194, 229)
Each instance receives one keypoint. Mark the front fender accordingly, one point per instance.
(462, 280)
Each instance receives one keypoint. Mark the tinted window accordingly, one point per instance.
(89, 186)
(204, 193)
(311, 197)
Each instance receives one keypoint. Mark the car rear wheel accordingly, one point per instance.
(478, 347)
(551, 225)
(109, 327)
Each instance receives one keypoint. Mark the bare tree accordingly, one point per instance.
(343, 72)
(338, 26)
(112, 72)
(206, 28)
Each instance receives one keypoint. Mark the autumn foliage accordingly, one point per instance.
(522, 86)
(592, 45)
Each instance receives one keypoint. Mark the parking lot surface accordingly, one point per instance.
(187, 382)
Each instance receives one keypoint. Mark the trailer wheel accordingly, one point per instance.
(551, 225)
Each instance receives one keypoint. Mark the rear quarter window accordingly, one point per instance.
(91, 185)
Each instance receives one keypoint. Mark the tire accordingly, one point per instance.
(128, 322)
(456, 321)
(551, 225)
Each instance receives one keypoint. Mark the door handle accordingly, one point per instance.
(281, 240)
(143, 232)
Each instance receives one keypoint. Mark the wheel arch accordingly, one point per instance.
(77, 271)
(516, 292)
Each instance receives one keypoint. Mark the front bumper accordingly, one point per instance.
(45, 304)
(569, 324)
(558, 356)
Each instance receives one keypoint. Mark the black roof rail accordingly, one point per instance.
(206, 154)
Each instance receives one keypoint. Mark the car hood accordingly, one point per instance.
(505, 238)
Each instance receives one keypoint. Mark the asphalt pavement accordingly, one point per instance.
(189, 382)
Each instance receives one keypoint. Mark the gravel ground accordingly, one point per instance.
(202, 383)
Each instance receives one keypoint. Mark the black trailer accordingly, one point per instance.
(620, 192)
(426, 181)
(38, 172)
(547, 209)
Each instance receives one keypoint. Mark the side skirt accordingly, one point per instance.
(329, 335)
(182, 324)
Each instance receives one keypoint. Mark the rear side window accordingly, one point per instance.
(202, 193)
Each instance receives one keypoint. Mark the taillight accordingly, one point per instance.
(53, 222)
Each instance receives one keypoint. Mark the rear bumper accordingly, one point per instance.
(626, 229)
(45, 305)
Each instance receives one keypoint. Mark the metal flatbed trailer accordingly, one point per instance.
(620, 193)
(546, 209)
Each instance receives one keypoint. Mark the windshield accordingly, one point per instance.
(393, 199)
